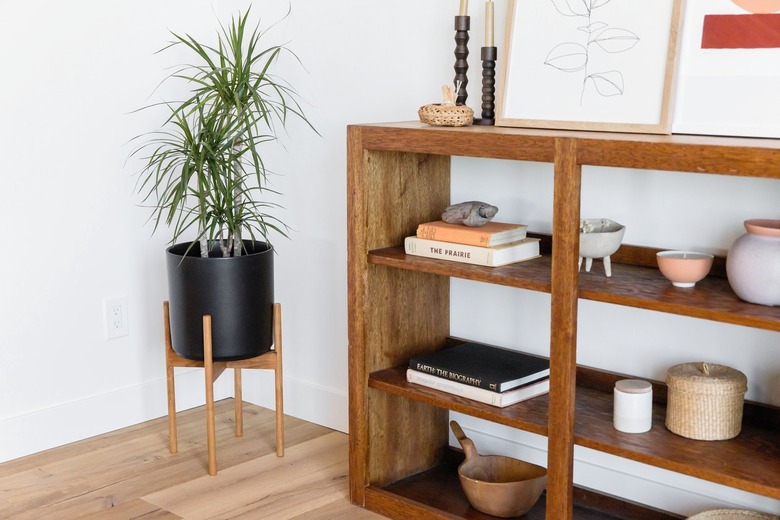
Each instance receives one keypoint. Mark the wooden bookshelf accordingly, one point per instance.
(398, 176)
(740, 463)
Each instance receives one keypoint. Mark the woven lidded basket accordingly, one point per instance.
(733, 514)
(705, 401)
(438, 114)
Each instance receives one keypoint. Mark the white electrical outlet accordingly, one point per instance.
(115, 312)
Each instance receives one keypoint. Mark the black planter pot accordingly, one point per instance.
(237, 292)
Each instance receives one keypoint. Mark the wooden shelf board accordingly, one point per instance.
(528, 415)
(630, 285)
(438, 493)
(531, 274)
(690, 153)
(750, 462)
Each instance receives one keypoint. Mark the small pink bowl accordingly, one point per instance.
(684, 268)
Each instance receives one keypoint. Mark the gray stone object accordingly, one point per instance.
(472, 213)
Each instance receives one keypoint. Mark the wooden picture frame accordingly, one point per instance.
(589, 65)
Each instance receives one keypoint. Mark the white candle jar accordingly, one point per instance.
(633, 408)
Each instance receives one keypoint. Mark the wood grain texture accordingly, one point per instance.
(112, 475)
(404, 190)
(314, 471)
(630, 285)
(563, 333)
(438, 493)
(686, 153)
(750, 462)
(357, 275)
(132, 510)
(383, 308)
(532, 274)
(388, 195)
(528, 415)
(212, 370)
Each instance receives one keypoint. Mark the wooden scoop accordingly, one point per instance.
(497, 485)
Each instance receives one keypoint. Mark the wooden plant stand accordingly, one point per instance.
(271, 360)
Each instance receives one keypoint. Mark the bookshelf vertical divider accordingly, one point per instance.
(563, 333)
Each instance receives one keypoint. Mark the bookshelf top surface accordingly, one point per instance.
(740, 156)
(498, 131)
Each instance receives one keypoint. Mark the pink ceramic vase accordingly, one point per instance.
(753, 263)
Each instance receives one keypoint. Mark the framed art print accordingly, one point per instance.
(729, 69)
(589, 64)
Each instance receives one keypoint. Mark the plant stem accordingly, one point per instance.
(238, 198)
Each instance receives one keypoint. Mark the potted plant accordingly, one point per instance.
(204, 174)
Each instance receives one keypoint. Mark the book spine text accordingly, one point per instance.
(452, 376)
(457, 252)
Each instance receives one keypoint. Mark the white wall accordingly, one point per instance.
(660, 209)
(72, 73)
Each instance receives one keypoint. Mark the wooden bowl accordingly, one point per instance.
(497, 485)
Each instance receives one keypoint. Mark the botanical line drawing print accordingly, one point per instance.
(572, 56)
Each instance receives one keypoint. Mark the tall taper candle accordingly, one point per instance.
(489, 22)
(462, 26)
(464, 8)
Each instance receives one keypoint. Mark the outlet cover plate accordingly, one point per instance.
(115, 317)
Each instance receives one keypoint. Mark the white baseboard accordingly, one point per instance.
(314, 403)
(77, 420)
(627, 479)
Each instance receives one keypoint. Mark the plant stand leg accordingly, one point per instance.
(208, 364)
(278, 380)
(239, 402)
(271, 360)
(173, 444)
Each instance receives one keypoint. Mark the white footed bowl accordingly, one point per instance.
(601, 238)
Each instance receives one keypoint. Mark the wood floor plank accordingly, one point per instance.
(99, 476)
(137, 509)
(311, 475)
(339, 510)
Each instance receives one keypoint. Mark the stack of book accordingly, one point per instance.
(491, 375)
(494, 244)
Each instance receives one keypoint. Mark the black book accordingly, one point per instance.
(483, 366)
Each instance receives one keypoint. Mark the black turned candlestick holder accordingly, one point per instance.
(462, 26)
(489, 55)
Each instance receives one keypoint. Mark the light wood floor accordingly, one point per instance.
(130, 474)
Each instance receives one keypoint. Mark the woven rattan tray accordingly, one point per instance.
(446, 115)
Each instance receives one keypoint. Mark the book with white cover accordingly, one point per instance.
(494, 256)
(499, 399)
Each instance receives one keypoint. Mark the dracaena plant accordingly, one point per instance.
(203, 169)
